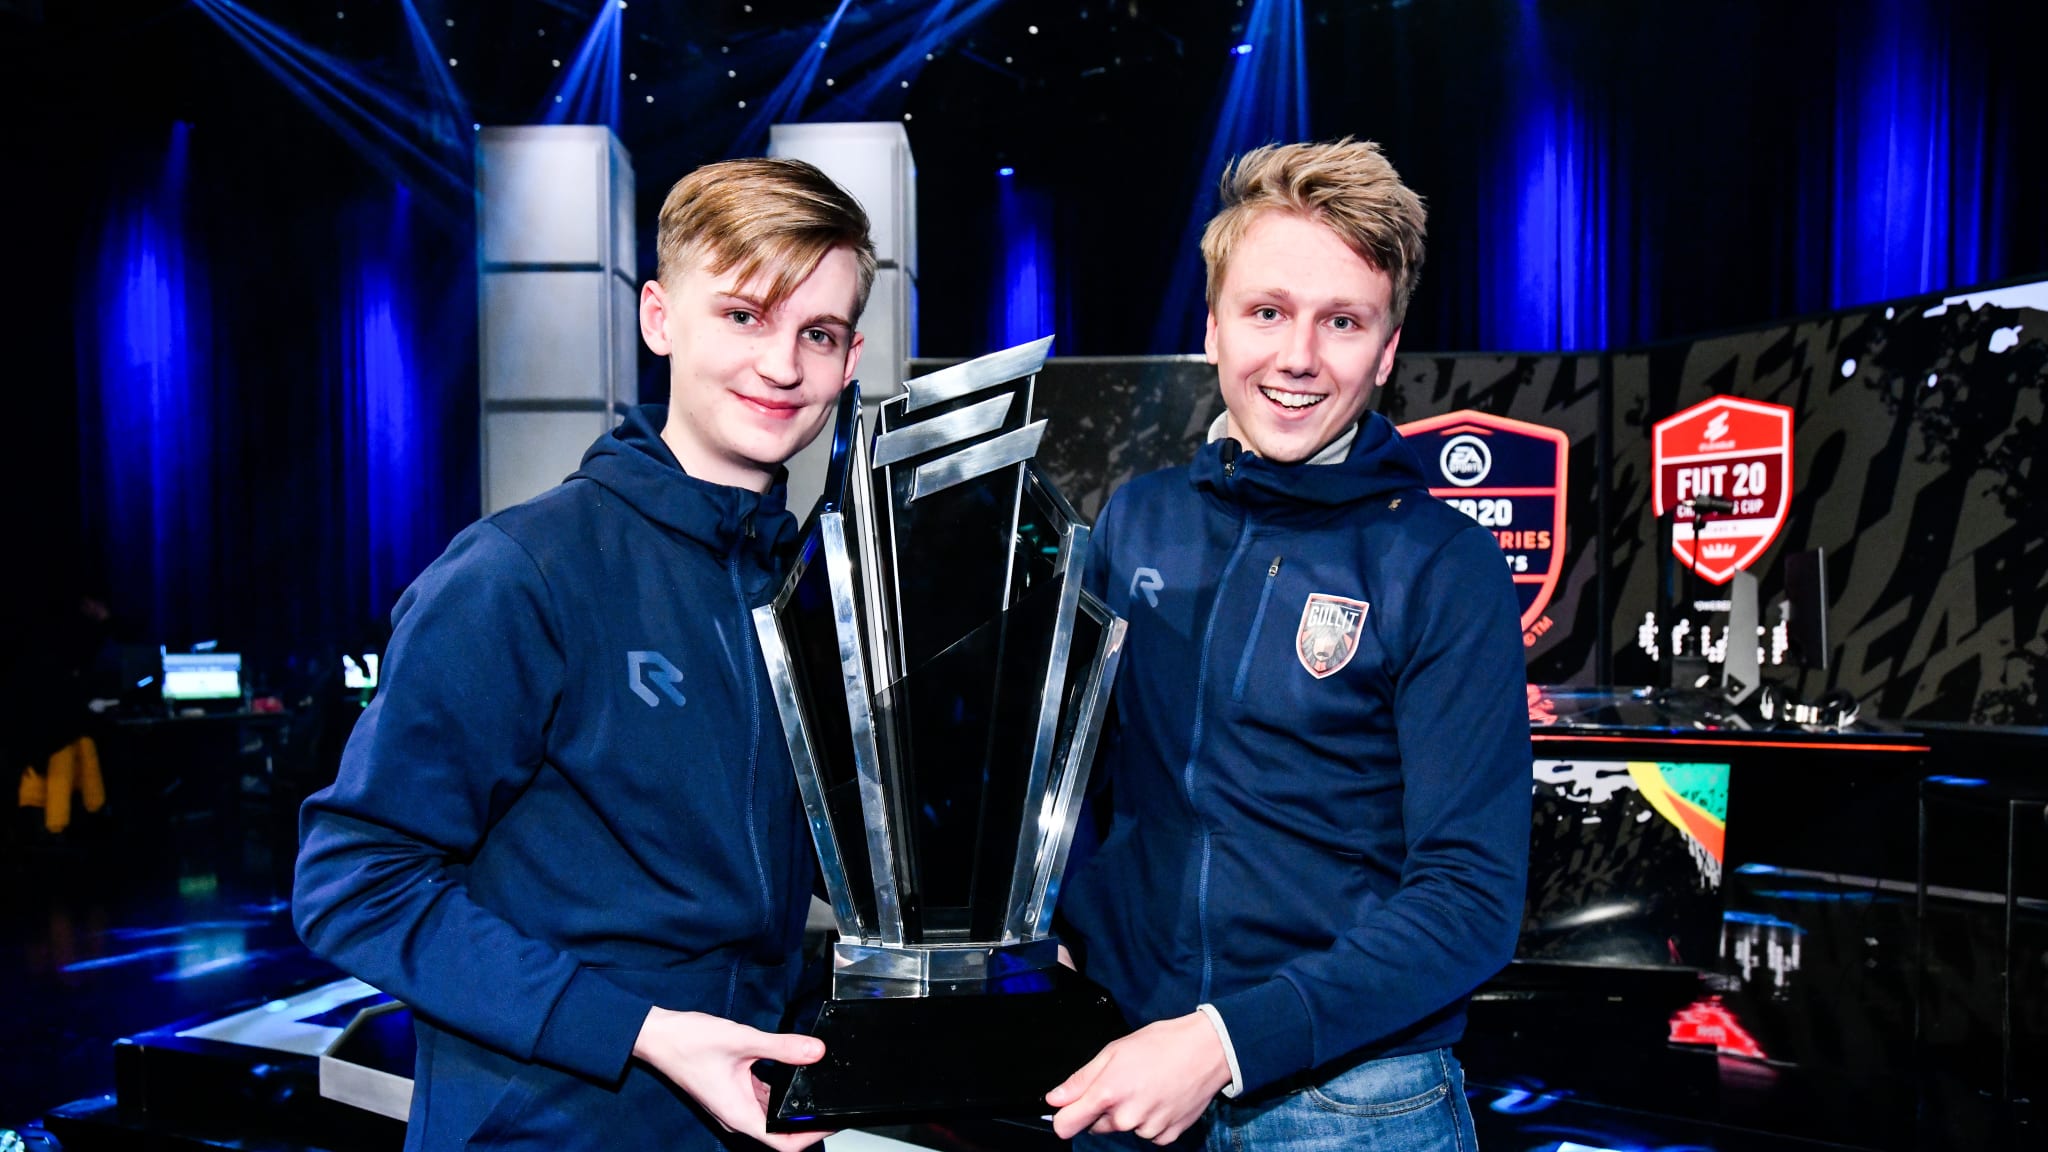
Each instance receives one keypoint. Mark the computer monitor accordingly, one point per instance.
(1806, 607)
(359, 674)
(202, 678)
(136, 674)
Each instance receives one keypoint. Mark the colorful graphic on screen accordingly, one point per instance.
(1727, 449)
(1692, 798)
(1509, 476)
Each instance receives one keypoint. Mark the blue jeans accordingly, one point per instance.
(1413, 1103)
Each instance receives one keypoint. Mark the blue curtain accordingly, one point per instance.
(1601, 176)
(393, 477)
(1545, 208)
(1021, 301)
(147, 395)
(1916, 208)
(1264, 100)
(277, 401)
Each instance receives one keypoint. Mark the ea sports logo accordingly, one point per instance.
(1465, 460)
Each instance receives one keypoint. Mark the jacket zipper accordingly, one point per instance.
(1244, 539)
(1251, 646)
(739, 595)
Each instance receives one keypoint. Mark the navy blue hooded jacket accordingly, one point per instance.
(1334, 862)
(569, 802)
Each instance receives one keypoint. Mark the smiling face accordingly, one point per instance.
(1300, 337)
(750, 386)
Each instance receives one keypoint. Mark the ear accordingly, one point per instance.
(1387, 359)
(1209, 337)
(654, 318)
(852, 358)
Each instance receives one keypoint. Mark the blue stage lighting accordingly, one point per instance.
(1022, 305)
(786, 103)
(413, 145)
(1913, 208)
(588, 91)
(1265, 101)
(943, 21)
(146, 386)
(1546, 210)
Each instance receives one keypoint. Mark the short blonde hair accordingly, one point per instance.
(1347, 185)
(778, 217)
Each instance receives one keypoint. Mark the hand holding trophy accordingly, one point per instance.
(942, 677)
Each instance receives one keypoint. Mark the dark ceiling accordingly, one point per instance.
(1711, 119)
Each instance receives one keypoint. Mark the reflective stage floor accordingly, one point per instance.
(95, 946)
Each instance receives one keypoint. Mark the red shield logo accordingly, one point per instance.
(1328, 636)
(1509, 476)
(1736, 450)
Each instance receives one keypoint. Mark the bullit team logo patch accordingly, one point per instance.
(1328, 636)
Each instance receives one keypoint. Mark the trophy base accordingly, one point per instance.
(905, 1061)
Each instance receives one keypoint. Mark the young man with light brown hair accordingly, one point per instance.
(1320, 764)
(566, 833)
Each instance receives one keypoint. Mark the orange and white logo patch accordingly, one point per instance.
(1328, 637)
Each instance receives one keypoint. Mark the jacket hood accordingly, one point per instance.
(635, 464)
(1380, 462)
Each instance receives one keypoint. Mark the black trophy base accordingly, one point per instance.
(907, 1061)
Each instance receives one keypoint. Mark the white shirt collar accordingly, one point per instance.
(1332, 453)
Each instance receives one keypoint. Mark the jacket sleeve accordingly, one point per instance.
(1461, 717)
(457, 731)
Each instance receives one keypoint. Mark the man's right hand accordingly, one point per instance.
(712, 1059)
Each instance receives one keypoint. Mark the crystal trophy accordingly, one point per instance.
(942, 677)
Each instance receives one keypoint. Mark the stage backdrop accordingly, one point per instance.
(1919, 441)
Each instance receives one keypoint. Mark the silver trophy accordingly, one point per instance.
(942, 678)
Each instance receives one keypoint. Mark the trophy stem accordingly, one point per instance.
(866, 971)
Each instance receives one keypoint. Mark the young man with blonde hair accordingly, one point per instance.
(566, 833)
(1320, 767)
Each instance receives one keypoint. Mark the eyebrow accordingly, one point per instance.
(1283, 295)
(761, 306)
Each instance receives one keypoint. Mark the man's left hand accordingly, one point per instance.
(1154, 1082)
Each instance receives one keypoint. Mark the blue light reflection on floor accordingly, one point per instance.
(1521, 1101)
(1809, 896)
(1529, 1115)
(135, 957)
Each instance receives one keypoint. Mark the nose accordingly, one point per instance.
(1298, 351)
(779, 364)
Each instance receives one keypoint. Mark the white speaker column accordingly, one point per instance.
(559, 308)
(872, 162)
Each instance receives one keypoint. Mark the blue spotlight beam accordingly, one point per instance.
(440, 78)
(1264, 102)
(588, 91)
(787, 100)
(378, 125)
(947, 20)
